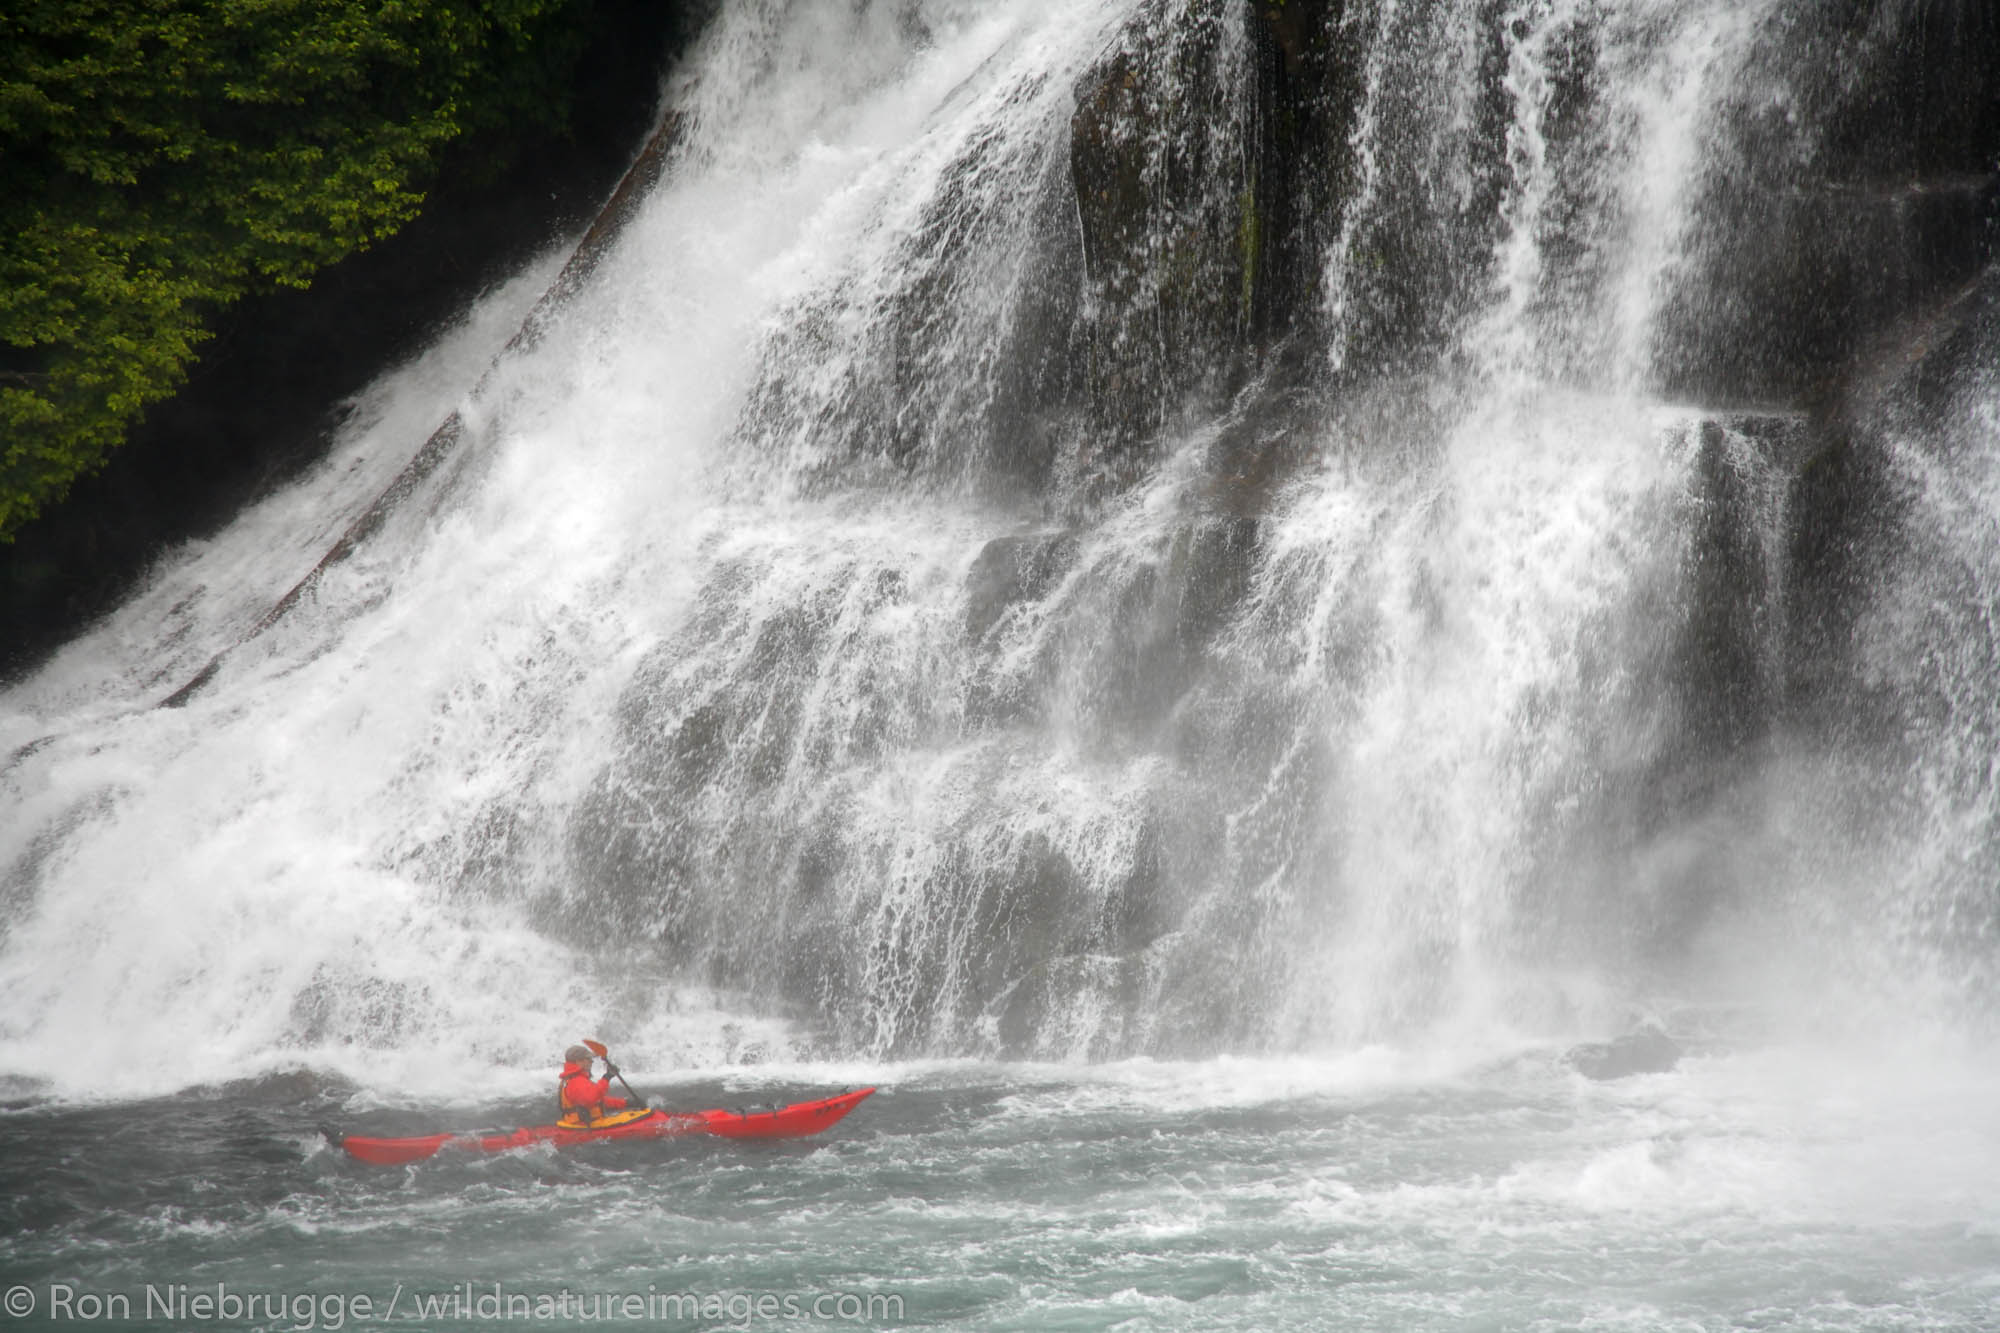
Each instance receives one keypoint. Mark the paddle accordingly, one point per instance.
(603, 1052)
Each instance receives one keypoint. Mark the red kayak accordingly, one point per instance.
(783, 1122)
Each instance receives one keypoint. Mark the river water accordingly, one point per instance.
(1383, 1191)
(930, 610)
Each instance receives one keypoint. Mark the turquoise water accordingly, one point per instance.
(1746, 1190)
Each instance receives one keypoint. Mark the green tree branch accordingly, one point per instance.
(161, 158)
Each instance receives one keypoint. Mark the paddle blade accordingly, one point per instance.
(597, 1048)
(394, 1152)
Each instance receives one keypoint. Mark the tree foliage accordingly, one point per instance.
(160, 158)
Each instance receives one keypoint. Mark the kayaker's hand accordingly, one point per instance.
(610, 1070)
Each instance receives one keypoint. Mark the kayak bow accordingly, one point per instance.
(782, 1122)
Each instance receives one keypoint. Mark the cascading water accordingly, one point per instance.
(849, 604)
(1150, 528)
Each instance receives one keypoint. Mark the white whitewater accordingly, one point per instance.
(270, 873)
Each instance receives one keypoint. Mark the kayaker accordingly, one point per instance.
(585, 1099)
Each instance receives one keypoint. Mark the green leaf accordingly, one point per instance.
(161, 158)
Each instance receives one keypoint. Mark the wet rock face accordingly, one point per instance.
(1166, 209)
(1841, 521)
(1928, 106)
(1647, 1051)
(1844, 244)
(1818, 274)
(1206, 164)
(839, 799)
(1877, 558)
(1724, 666)
(1207, 152)
(1108, 137)
(1307, 89)
(1011, 570)
(1857, 186)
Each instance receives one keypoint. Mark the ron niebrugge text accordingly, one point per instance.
(220, 1303)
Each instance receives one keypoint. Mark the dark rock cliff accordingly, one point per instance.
(1847, 223)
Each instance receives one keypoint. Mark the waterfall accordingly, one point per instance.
(1080, 529)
